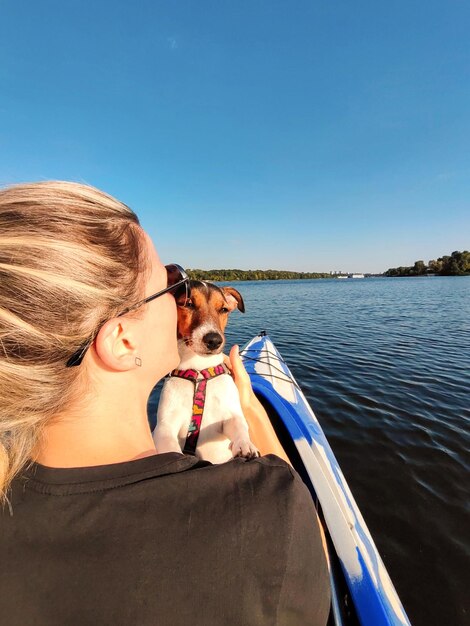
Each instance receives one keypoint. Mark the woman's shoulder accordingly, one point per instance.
(167, 475)
(268, 478)
(264, 468)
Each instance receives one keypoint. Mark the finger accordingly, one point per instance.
(234, 353)
(237, 364)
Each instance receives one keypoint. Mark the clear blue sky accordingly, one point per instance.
(306, 135)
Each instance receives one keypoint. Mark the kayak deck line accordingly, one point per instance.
(284, 378)
(361, 570)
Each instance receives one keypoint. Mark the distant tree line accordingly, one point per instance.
(457, 264)
(231, 275)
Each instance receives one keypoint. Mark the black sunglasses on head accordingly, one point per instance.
(177, 282)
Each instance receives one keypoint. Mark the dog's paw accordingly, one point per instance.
(244, 448)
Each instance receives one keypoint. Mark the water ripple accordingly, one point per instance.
(385, 365)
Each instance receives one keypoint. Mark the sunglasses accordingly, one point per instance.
(177, 283)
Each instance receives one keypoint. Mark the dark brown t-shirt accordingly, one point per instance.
(165, 540)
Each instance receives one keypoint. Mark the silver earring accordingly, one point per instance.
(138, 361)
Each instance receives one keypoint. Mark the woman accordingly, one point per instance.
(96, 528)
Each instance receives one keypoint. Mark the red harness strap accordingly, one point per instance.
(200, 379)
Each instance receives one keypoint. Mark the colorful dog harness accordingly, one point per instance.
(200, 379)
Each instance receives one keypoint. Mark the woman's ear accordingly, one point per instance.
(116, 345)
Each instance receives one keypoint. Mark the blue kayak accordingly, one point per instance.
(362, 591)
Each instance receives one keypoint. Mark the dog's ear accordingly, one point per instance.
(234, 299)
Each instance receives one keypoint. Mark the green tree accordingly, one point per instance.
(445, 265)
(434, 266)
(419, 268)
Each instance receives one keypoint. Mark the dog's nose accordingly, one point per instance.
(212, 340)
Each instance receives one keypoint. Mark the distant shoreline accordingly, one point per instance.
(222, 276)
(457, 264)
(259, 275)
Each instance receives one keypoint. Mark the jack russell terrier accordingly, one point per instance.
(223, 433)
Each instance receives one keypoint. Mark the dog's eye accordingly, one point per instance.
(189, 305)
(224, 309)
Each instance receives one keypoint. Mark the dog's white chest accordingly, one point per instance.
(221, 414)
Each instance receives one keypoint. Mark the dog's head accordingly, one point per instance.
(203, 318)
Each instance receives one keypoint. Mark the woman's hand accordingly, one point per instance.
(261, 430)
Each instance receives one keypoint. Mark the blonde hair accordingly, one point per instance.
(71, 257)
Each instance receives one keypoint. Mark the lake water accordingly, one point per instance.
(385, 364)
